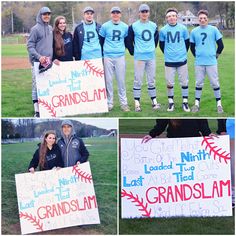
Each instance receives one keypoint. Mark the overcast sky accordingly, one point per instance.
(105, 123)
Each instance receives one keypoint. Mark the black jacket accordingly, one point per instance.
(79, 39)
(53, 158)
(129, 40)
(68, 47)
(186, 128)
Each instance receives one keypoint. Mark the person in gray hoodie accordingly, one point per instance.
(72, 147)
(40, 49)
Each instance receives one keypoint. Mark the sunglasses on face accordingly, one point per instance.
(46, 14)
(144, 11)
(115, 12)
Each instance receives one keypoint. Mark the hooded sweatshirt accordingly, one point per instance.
(40, 42)
(52, 159)
(72, 147)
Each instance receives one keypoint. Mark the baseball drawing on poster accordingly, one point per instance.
(56, 199)
(74, 87)
(187, 177)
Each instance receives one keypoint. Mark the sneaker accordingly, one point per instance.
(110, 107)
(220, 110)
(138, 108)
(156, 106)
(185, 107)
(171, 107)
(36, 114)
(195, 109)
(125, 108)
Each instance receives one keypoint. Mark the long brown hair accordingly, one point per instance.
(43, 147)
(59, 42)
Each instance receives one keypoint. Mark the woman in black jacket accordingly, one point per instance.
(48, 155)
(62, 41)
(179, 128)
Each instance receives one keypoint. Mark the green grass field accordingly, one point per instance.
(20, 50)
(103, 161)
(24, 108)
(182, 226)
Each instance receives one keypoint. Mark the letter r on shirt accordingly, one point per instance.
(116, 35)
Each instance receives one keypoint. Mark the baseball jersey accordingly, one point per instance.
(114, 35)
(205, 44)
(144, 47)
(174, 38)
(91, 47)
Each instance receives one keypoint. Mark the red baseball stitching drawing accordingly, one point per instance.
(33, 220)
(48, 107)
(139, 202)
(215, 150)
(89, 66)
(82, 174)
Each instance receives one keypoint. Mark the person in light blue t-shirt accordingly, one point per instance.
(114, 34)
(203, 40)
(174, 43)
(86, 41)
(142, 41)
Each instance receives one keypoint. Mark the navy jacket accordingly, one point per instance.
(73, 151)
(68, 47)
(79, 39)
(53, 159)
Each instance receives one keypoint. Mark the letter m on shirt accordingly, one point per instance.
(172, 39)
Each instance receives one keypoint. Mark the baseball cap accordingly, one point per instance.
(88, 9)
(115, 9)
(45, 10)
(66, 122)
(144, 7)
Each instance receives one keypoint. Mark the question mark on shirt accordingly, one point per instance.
(203, 38)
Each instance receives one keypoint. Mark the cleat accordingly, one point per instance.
(36, 114)
(195, 109)
(185, 107)
(156, 106)
(125, 108)
(171, 107)
(220, 110)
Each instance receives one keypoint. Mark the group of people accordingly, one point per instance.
(91, 40)
(69, 150)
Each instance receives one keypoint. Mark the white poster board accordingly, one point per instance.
(187, 177)
(56, 199)
(73, 87)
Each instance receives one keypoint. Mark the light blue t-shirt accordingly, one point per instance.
(174, 38)
(91, 47)
(230, 128)
(144, 47)
(205, 44)
(114, 35)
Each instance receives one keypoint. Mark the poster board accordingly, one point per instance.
(184, 177)
(56, 199)
(72, 88)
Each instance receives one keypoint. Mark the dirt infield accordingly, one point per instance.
(11, 63)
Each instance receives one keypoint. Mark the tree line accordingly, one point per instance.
(18, 17)
(31, 128)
